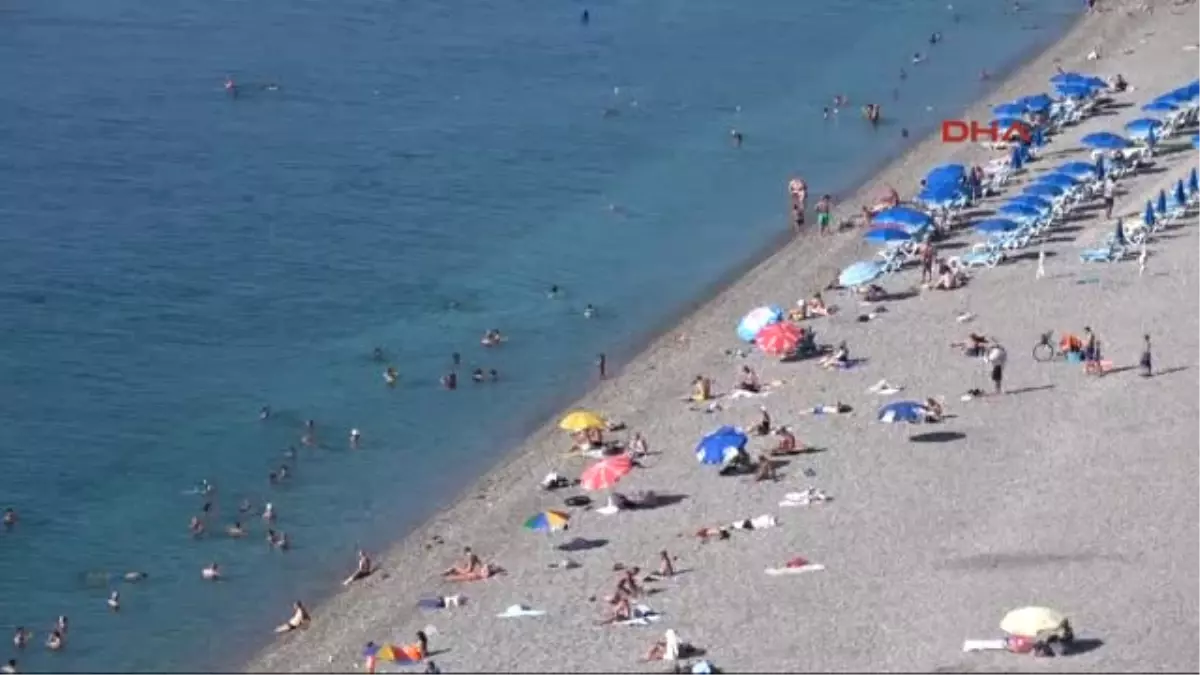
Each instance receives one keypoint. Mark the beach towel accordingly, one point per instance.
(984, 645)
(810, 495)
(702, 668)
(758, 523)
(516, 611)
(643, 615)
(885, 388)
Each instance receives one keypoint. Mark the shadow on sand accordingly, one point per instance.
(937, 437)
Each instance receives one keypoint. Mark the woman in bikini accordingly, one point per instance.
(362, 571)
(787, 443)
(300, 619)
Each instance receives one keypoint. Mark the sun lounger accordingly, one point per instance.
(1107, 254)
(986, 258)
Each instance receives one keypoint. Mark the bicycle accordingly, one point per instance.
(1045, 350)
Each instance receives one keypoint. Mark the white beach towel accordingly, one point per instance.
(983, 645)
(515, 611)
(742, 393)
(802, 569)
(811, 495)
(643, 615)
(671, 653)
(885, 388)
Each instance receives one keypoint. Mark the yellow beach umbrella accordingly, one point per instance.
(1032, 621)
(581, 420)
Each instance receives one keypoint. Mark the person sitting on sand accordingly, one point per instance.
(1071, 344)
(593, 438)
(619, 611)
(300, 619)
(932, 410)
(840, 358)
(749, 381)
(763, 426)
(871, 292)
(638, 446)
(766, 470)
(974, 345)
(701, 389)
(362, 571)
(707, 533)
(627, 585)
(469, 564)
(948, 279)
(815, 306)
(787, 443)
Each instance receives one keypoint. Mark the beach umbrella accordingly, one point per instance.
(1009, 110)
(1193, 181)
(1180, 195)
(1159, 106)
(1081, 169)
(1043, 190)
(1060, 179)
(581, 420)
(756, 320)
(393, 653)
(997, 225)
(1182, 95)
(1036, 102)
(779, 339)
(862, 272)
(1043, 207)
(945, 173)
(1148, 217)
(1006, 122)
(548, 521)
(720, 444)
(1029, 622)
(1074, 89)
(1019, 210)
(605, 473)
(1104, 140)
(1160, 206)
(887, 235)
(902, 411)
(1142, 124)
(902, 215)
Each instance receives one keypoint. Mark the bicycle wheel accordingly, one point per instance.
(1043, 352)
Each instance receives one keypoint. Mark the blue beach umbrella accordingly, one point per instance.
(862, 272)
(1063, 78)
(1182, 95)
(1044, 190)
(1180, 195)
(1039, 203)
(1143, 123)
(1036, 102)
(901, 411)
(1005, 122)
(1080, 169)
(902, 215)
(997, 225)
(1104, 140)
(714, 447)
(1148, 216)
(1160, 106)
(1074, 89)
(1062, 180)
(1160, 205)
(756, 320)
(1193, 181)
(1009, 110)
(887, 235)
(945, 173)
(1019, 210)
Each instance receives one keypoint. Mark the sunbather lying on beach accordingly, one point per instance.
(840, 357)
(838, 408)
(300, 619)
(707, 533)
(932, 410)
(974, 345)
(815, 306)
(949, 278)
(787, 443)
(618, 611)
(701, 389)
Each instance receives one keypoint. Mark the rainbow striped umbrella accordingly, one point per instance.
(548, 521)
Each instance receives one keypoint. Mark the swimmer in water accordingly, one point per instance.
(21, 637)
(917, 58)
(11, 666)
(196, 527)
(935, 38)
(278, 540)
(245, 506)
(477, 375)
(377, 354)
(493, 375)
(355, 438)
(390, 376)
(60, 624)
(10, 518)
(737, 137)
(585, 18)
(264, 412)
(268, 514)
(589, 312)
(456, 359)
(211, 572)
(231, 87)
(825, 112)
(491, 338)
(450, 381)
(114, 601)
(309, 437)
(236, 530)
(553, 292)
(55, 641)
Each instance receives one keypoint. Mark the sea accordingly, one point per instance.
(392, 174)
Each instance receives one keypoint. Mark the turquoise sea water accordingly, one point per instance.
(175, 259)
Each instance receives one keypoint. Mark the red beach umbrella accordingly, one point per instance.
(779, 339)
(604, 474)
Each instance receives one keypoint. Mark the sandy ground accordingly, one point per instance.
(1071, 491)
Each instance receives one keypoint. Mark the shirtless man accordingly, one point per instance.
(362, 571)
(470, 564)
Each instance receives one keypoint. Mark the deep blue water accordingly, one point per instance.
(175, 259)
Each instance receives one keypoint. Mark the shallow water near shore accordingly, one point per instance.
(176, 259)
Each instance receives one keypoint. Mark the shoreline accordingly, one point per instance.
(508, 484)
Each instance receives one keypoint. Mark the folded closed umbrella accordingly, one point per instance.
(1160, 205)
(1193, 181)
(1029, 622)
(1148, 216)
(581, 420)
(606, 473)
(1180, 196)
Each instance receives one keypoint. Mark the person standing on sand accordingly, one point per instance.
(798, 190)
(824, 213)
(1110, 189)
(602, 365)
(928, 256)
(996, 358)
(1146, 362)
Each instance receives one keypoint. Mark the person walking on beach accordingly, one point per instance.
(1110, 190)
(996, 358)
(1146, 362)
(928, 256)
(798, 190)
(602, 365)
(824, 208)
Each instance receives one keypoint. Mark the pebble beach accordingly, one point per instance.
(1069, 491)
